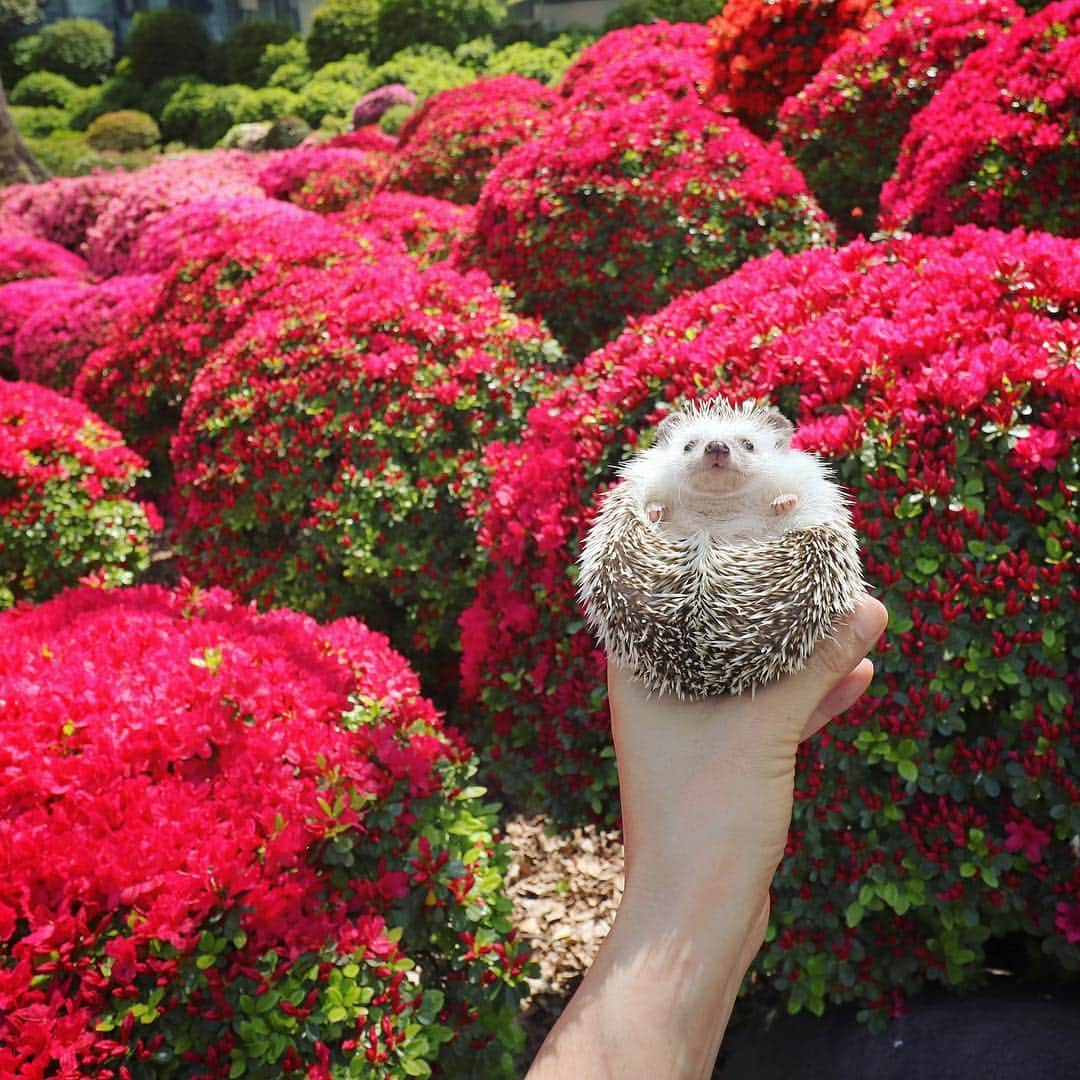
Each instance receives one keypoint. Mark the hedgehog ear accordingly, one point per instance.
(779, 425)
(667, 427)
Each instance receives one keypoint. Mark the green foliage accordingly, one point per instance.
(325, 98)
(448, 23)
(80, 49)
(292, 52)
(341, 27)
(544, 63)
(127, 129)
(353, 69)
(115, 93)
(394, 117)
(43, 88)
(160, 94)
(39, 120)
(67, 153)
(635, 12)
(477, 53)
(424, 69)
(166, 43)
(243, 49)
(200, 114)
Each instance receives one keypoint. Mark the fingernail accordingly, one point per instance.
(866, 621)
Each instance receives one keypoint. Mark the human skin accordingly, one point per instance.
(707, 790)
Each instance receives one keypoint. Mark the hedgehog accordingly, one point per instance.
(722, 558)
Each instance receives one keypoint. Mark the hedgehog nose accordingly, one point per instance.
(717, 450)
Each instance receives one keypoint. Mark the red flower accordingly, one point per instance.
(1024, 836)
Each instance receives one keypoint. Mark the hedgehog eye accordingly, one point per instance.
(747, 444)
(689, 446)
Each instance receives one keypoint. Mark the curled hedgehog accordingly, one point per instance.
(722, 558)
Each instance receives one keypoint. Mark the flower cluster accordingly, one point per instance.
(327, 455)
(371, 137)
(941, 376)
(844, 128)
(648, 201)
(322, 178)
(765, 52)
(447, 148)
(23, 257)
(52, 345)
(238, 844)
(19, 300)
(999, 144)
(66, 507)
(60, 210)
(375, 102)
(138, 380)
(629, 64)
(427, 229)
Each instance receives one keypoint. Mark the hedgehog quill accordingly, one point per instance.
(722, 557)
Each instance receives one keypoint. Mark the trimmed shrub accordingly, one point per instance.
(650, 11)
(66, 508)
(116, 93)
(341, 27)
(544, 63)
(200, 114)
(447, 148)
(844, 128)
(166, 43)
(140, 379)
(322, 178)
(374, 103)
(327, 455)
(627, 65)
(999, 144)
(426, 229)
(37, 121)
(80, 49)
(325, 99)
(446, 23)
(290, 58)
(937, 375)
(52, 344)
(317, 889)
(353, 69)
(23, 257)
(423, 69)
(371, 138)
(18, 302)
(648, 202)
(242, 50)
(60, 210)
(128, 129)
(764, 53)
(43, 88)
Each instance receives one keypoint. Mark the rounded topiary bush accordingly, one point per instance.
(79, 49)
(844, 128)
(341, 27)
(66, 505)
(139, 379)
(447, 148)
(939, 376)
(19, 300)
(239, 843)
(764, 53)
(371, 106)
(52, 344)
(243, 48)
(166, 43)
(448, 23)
(60, 210)
(327, 456)
(23, 257)
(630, 64)
(127, 129)
(544, 63)
(999, 144)
(43, 88)
(323, 179)
(648, 201)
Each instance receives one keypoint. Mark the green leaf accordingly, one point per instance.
(908, 770)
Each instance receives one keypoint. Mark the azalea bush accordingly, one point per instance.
(23, 257)
(19, 300)
(60, 210)
(844, 128)
(940, 376)
(371, 106)
(1000, 143)
(447, 148)
(67, 508)
(52, 344)
(328, 454)
(239, 844)
(323, 179)
(138, 379)
(764, 53)
(648, 201)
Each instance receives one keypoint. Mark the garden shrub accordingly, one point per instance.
(764, 53)
(116, 93)
(427, 229)
(200, 114)
(66, 506)
(320, 178)
(446, 23)
(127, 129)
(37, 121)
(140, 379)
(67, 153)
(375, 102)
(648, 202)
(844, 128)
(167, 43)
(290, 59)
(999, 144)
(940, 377)
(60, 210)
(341, 27)
(43, 88)
(544, 63)
(425, 70)
(325, 99)
(447, 148)
(327, 454)
(627, 65)
(353, 69)
(317, 889)
(18, 302)
(650, 11)
(80, 49)
(371, 138)
(52, 344)
(242, 50)
(23, 257)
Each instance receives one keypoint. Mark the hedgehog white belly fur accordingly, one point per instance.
(722, 558)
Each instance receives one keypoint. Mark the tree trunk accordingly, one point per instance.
(17, 164)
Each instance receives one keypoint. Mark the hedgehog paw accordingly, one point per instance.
(784, 504)
(654, 512)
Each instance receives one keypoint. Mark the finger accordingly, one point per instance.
(840, 698)
(840, 654)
